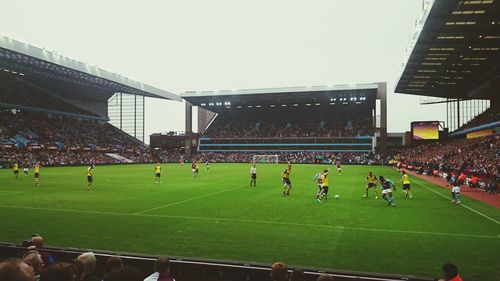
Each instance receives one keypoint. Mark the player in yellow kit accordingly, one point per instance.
(406, 184)
(157, 172)
(287, 184)
(371, 182)
(90, 176)
(37, 174)
(15, 168)
(324, 186)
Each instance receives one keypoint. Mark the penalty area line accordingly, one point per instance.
(214, 219)
(186, 200)
(463, 205)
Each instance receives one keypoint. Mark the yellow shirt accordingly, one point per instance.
(158, 169)
(89, 172)
(324, 180)
(286, 173)
(37, 169)
(405, 179)
(16, 166)
(372, 179)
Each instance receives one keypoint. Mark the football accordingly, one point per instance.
(337, 196)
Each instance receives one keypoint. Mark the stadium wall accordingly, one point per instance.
(187, 269)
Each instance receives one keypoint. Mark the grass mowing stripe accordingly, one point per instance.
(261, 222)
(187, 200)
(465, 206)
(11, 192)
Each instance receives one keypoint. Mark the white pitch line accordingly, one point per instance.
(10, 192)
(463, 205)
(186, 200)
(262, 222)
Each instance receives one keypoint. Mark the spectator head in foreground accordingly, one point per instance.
(89, 266)
(124, 273)
(35, 261)
(162, 266)
(297, 275)
(89, 261)
(112, 263)
(451, 272)
(325, 277)
(37, 241)
(79, 268)
(15, 270)
(279, 271)
(60, 271)
(162, 270)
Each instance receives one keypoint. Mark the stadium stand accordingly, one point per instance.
(59, 140)
(54, 110)
(477, 156)
(305, 122)
(300, 123)
(487, 117)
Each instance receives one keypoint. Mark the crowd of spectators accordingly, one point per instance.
(304, 157)
(488, 116)
(35, 263)
(475, 156)
(46, 129)
(279, 123)
(60, 140)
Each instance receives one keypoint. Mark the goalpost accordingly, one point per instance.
(265, 158)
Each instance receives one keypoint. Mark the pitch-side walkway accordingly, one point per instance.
(475, 193)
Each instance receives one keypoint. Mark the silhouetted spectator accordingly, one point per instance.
(297, 275)
(35, 261)
(112, 263)
(125, 273)
(79, 268)
(60, 271)
(279, 272)
(15, 270)
(162, 271)
(450, 273)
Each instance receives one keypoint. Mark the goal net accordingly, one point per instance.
(265, 159)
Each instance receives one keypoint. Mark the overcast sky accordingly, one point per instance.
(229, 44)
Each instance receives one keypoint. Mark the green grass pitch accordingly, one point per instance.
(218, 216)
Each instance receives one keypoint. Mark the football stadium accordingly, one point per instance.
(261, 183)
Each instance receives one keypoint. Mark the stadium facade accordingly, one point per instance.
(290, 107)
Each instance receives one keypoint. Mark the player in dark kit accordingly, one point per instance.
(194, 169)
(339, 167)
(387, 186)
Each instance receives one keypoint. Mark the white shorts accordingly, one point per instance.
(385, 191)
(456, 189)
(25, 169)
